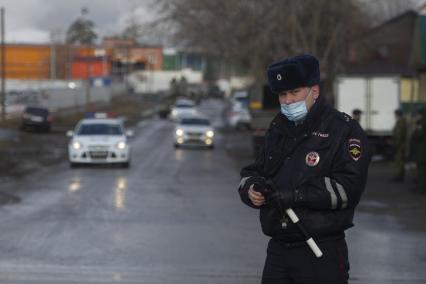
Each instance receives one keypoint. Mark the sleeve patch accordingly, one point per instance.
(355, 149)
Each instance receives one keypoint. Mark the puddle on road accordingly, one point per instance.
(74, 185)
(120, 193)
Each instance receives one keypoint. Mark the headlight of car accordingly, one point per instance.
(76, 145)
(179, 132)
(210, 134)
(121, 145)
(174, 112)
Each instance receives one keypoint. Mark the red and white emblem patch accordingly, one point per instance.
(312, 159)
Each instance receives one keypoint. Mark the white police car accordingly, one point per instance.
(194, 131)
(183, 108)
(99, 141)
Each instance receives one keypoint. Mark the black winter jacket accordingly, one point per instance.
(324, 161)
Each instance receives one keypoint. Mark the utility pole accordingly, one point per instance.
(53, 41)
(126, 67)
(89, 73)
(3, 67)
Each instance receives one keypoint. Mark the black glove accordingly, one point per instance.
(281, 199)
(259, 184)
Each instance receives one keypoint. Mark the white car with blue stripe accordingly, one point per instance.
(99, 141)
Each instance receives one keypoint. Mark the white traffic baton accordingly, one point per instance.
(309, 240)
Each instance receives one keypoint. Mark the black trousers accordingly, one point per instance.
(296, 264)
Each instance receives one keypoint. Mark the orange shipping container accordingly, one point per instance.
(94, 67)
(26, 61)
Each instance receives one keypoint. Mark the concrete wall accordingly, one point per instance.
(157, 81)
(55, 95)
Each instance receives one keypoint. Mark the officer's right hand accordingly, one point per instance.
(256, 197)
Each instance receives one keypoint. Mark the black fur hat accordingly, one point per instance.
(293, 72)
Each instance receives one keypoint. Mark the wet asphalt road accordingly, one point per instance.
(173, 217)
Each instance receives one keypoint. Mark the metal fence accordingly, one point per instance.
(57, 94)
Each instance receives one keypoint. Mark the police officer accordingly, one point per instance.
(398, 141)
(314, 160)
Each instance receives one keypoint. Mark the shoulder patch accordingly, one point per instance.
(355, 148)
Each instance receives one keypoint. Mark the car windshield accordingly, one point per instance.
(241, 102)
(195, 121)
(99, 129)
(37, 111)
(184, 106)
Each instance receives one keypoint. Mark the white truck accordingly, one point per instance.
(377, 97)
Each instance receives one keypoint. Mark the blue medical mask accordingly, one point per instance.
(296, 111)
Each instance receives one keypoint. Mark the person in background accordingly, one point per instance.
(356, 115)
(399, 145)
(419, 151)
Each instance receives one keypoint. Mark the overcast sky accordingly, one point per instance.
(31, 21)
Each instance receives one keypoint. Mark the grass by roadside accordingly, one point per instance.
(10, 123)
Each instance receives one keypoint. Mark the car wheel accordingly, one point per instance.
(211, 147)
(177, 146)
(73, 165)
(125, 165)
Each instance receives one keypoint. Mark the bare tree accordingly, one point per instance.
(382, 10)
(146, 30)
(134, 28)
(256, 33)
